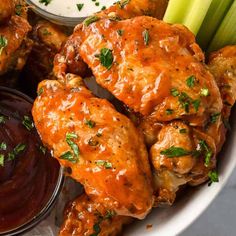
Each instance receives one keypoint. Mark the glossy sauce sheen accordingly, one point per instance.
(28, 181)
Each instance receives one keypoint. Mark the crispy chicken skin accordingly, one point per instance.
(113, 162)
(69, 60)
(85, 217)
(6, 10)
(143, 76)
(47, 41)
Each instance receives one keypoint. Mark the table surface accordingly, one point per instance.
(220, 218)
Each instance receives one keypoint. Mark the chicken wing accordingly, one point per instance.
(101, 147)
(84, 217)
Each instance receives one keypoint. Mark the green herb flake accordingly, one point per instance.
(3, 146)
(91, 124)
(174, 92)
(106, 164)
(205, 92)
(185, 101)
(80, 6)
(169, 111)
(106, 57)
(42, 149)
(18, 9)
(45, 2)
(91, 20)
(183, 131)
(96, 229)
(206, 151)
(120, 32)
(103, 8)
(17, 150)
(214, 117)
(2, 160)
(40, 91)
(175, 152)
(214, 177)
(123, 3)
(2, 120)
(146, 37)
(191, 81)
(28, 123)
(3, 43)
(68, 156)
(46, 32)
(196, 104)
(72, 144)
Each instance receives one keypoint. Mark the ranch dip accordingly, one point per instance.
(73, 8)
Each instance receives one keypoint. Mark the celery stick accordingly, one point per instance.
(215, 15)
(196, 14)
(226, 33)
(176, 11)
(191, 13)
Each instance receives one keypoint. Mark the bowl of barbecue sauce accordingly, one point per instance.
(30, 179)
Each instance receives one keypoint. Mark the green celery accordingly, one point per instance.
(176, 11)
(215, 15)
(190, 13)
(196, 14)
(226, 33)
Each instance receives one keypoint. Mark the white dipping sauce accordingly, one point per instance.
(69, 8)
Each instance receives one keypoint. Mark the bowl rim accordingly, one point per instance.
(57, 190)
(64, 20)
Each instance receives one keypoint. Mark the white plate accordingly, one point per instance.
(172, 221)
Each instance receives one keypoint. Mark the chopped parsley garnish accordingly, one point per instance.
(169, 111)
(80, 6)
(2, 160)
(146, 37)
(97, 4)
(196, 104)
(183, 131)
(120, 32)
(205, 92)
(191, 81)
(174, 92)
(91, 20)
(185, 101)
(3, 43)
(46, 32)
(40, 91)
(106, 164)
(17, 150)
(3, 146)
(103, 8)
(2, 120)
(122, 4)
(28, 123)
(18, 9)
(73, 145)
(90, 123)
(175, 152)
(68, 156)
(106, 57)
(206, 151)
(214, 177)
(214, 117)
(45, 2)
(42, 149)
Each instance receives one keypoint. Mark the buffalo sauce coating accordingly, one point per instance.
(27, 179)
(151, 59)
(112, 163)
(85, 217)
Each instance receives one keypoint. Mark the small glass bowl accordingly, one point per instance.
(55, 194)
(59, 20)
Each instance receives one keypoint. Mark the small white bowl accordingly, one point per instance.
(174, 220)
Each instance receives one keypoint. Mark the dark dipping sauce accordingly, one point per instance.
(28, 173)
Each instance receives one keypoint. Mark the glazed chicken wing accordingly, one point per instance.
(84, 217)
(101, 147)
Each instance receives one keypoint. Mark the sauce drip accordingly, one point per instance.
(29, 177)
